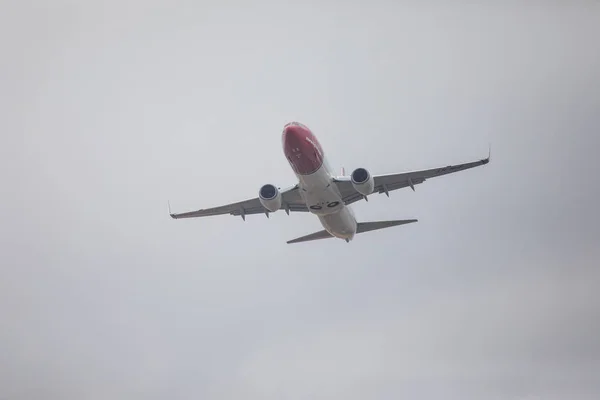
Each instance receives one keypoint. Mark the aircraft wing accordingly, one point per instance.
(387, 183)
(291, 202)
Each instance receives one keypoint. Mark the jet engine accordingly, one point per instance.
(362, 181)
(270, 197)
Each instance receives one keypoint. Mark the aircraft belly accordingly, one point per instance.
(320, 194)
(340, 224)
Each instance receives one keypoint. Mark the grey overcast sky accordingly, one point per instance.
(111, 108)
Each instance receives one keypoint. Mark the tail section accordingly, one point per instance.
(361, 227)
(313, 236)
(376, 225)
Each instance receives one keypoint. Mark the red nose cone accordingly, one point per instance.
(302, 149)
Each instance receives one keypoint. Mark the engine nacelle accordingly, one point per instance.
(270, 197)
(362, 181)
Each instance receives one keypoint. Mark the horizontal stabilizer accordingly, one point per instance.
(313, 236)
(373, 226)
(360, 228)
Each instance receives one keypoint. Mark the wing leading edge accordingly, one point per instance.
(388, 182)
(291, 202)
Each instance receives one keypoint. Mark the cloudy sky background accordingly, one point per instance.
(109, 109)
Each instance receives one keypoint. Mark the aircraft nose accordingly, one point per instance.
(292, 135)
(300, 148)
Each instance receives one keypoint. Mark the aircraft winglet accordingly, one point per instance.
(487, 160)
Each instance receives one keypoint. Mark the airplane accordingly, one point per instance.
(322, 193)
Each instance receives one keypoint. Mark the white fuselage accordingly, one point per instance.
(323, 199)
(317, 187)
